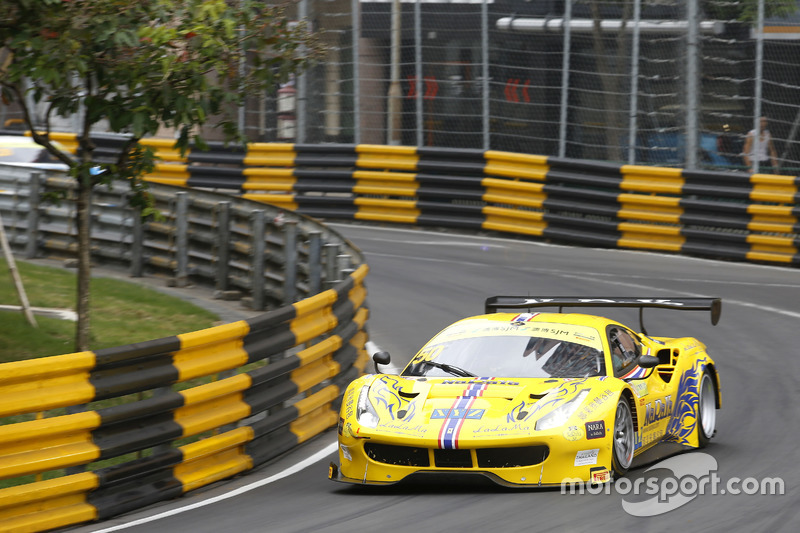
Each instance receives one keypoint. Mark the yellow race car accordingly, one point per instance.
(531, 399)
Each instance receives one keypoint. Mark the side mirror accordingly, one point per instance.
(648, 361)
(381, 358)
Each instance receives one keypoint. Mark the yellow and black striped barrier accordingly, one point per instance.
(715, 214)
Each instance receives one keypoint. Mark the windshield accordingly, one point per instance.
(565, 351)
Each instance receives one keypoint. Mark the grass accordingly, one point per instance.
(121, 313)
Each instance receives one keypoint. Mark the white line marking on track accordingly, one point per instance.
(241, 490)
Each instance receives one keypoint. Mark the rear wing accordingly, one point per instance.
(496, 303)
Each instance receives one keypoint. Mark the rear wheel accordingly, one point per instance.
(624, 441)
(706, 409)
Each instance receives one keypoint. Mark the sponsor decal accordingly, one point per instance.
(600, 475)
(387, 393)
(684, 420)
(595, 430)
(636, 373)
(502, 430)
(401, 429)
(639, 388)
(479, 381)
(451, 428)
(593, 405)
(469, 414)
(524, 317)
(586, 457)
(657, 410)
(573, 433)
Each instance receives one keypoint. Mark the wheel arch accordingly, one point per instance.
(628, 395)
(715, 376)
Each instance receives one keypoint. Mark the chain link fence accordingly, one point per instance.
(654, 82)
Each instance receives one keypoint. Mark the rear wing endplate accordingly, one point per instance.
(495, 304)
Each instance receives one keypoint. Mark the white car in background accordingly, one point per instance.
(22, 151)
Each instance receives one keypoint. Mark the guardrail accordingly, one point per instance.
(89, 435)
(709, 214)
(729, 215)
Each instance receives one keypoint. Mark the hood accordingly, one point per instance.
(468, 409)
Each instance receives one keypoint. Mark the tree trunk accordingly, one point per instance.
(614, 102)
(83, 215)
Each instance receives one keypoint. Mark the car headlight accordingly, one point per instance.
(558, 416)
(365, 413)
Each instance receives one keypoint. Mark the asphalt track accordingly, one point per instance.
(420, 282)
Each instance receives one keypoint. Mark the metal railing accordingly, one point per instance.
(89, 435)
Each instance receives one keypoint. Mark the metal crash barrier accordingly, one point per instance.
(86, 436)
(715, 214)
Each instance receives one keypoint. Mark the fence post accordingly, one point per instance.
(34, 199)
(331, 272)
(343, 265)
(223, 246)
(314, 262)
(257, 261)
(182, 239)
(290, 263)
(137, 245)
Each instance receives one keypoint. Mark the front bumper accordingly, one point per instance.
(541, 463)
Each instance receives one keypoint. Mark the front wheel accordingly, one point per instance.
(624, 440)
(706, 409)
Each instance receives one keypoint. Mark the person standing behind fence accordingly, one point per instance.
(766, 150)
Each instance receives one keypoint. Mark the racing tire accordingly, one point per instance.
(623, 439)
(706, 409)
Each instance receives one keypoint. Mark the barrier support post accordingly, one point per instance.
(258, 246)
(314, 260)
(290, 264)
(223, 244)
(34, 198)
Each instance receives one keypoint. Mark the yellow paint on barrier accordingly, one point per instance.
(650, 208)
(773, 242)
(387, 210)
(47, 432)
(319, 350)
(651, 179)
(386, 217)
(47, 504)
(384, 176)
(211, 414)
(386, 188)
(386, 157)
(209, 359)
(209, 447)
(217, 334)
(769, 256)
(61, 512)
(270, 154)
(315, 303)
(214, 458)
(360, 274)
(512, 165)
(313, 423)
(45, 368)
(650, 237)
(224, 387)
(46, 394)
(357, 296)
(281, 200)
(316, 400)
(36, 460)
(306, 328)
(315, 373)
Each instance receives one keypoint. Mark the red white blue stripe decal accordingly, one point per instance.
(524, 317)
(451, 428)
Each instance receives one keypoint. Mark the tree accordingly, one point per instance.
(140, 65)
